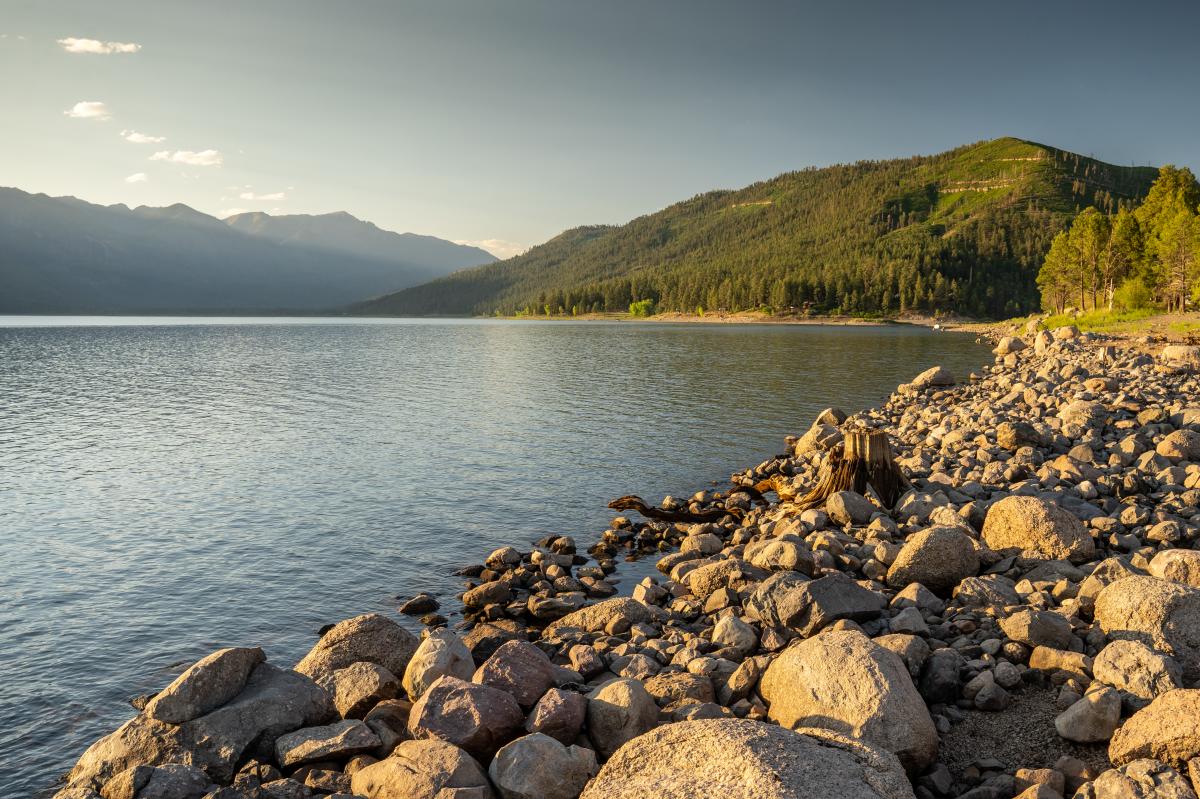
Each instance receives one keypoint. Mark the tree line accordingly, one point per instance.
(1136, 258)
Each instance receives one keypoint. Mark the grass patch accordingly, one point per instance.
(1101, 320)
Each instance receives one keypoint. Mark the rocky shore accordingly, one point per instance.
(1024, 623)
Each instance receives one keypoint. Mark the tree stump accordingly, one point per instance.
(863, 463)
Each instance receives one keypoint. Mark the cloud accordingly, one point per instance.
(97, 47)
(249, 195)
(137, 177)
(225, 213)
(141, 138)
(89, 109)
(202, 158)
(497, 247)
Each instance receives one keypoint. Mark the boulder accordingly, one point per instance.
(933, 377)
(273, 702)
(1185, 355)
(422, 769)
(1091, 719)
(733, 634)
(1139, 779)
(474, 717)
(781, 554)
(725, 573)
(1038, 628)
(361, 686)
(1014, 435)
(810, 606)
(614, 615)
(168, 781)
(496, 592)
(1167, 729)
(559, 714)
(724, 758)
(1177, 565)
(371, 637)
(1137, 670)
(1181, 445)
(843, 681)
(849, 507)
(441, 653)
(617, 712)
(205, 686)
(1036, 528)
(519, 668)
(538, 767)
(819, 438)
(1159, 613)
(938, 558)
(1009, 344)
(332, 742)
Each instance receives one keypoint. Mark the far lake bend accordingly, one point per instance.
(172, 486)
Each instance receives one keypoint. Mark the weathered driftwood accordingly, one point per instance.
(635, 503)
(863, 463)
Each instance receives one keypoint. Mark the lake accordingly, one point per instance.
(172, 486)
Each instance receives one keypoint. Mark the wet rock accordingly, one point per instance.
(423, 769)
(473, 717)
(617, 712)
(371, 637)
(205, 686)
(723, 758)
(842, 681)
(539, 767)
(419, 605)
(1036, 528)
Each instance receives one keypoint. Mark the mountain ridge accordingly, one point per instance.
(961, 230)
(66, 255)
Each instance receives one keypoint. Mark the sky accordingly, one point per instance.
(503, 122)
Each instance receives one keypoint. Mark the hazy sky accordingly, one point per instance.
(502, 122)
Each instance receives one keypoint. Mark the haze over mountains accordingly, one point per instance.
(64, 255)
(963, 231)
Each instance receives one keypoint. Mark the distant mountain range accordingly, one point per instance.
(963, 231)
(64, 255)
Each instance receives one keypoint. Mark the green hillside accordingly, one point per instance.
(962, 231)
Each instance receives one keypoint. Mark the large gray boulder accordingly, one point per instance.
(441, 653)
(725, 758)
(361, 686)
(843, 681)
(205, 686)
(1167, 729)
(811, 606)
(473, 717)
(371, 637)
(849, 507)
(938, 558)
(1139, 779)
(519, 668)
(422, 769)
(1035, 528)
(273, 702)
(331, 742)
(619, 711)
(538, 767)
(614, 616)
(1163, 615)
(1137, 670)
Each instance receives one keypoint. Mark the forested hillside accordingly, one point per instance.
(962, 231)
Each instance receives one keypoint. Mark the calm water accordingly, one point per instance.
(168, 487)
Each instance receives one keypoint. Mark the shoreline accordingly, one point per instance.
(968, 613)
